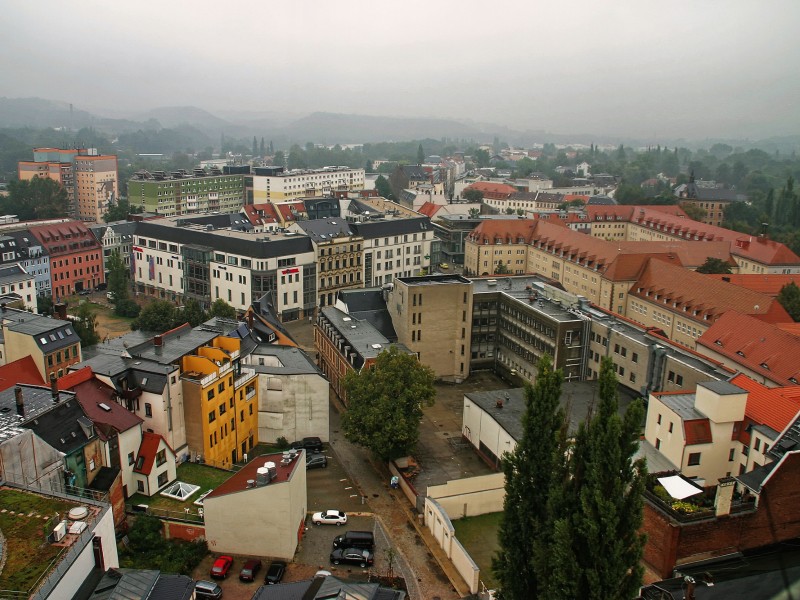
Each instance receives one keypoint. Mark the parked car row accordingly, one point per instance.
(222, 566)
(355, 548)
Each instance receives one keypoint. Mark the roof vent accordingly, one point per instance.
(104, 406)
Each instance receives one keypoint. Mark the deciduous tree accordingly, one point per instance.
(384, 403)
(86, 325)
(156, 317)
(220, 308)
(714, 265)
(789, 298)
(37, 198)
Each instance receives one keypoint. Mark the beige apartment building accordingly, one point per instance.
(96, 186)
(753, 254)
(600, 270)
(441, 307)
(684, 304)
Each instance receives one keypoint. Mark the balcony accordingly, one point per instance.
(245, 377)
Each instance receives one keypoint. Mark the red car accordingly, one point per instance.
(221, 567)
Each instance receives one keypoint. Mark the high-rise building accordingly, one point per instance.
(96, 187)
(89, 179)
(181, 193)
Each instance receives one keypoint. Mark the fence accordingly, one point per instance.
(440, 526)
(162, 513)
(472, 496)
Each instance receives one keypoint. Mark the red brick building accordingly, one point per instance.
(76, 257)
(775, 517)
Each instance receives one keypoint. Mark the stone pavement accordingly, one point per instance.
(421, 562)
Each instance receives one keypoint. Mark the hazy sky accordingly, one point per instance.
(691, 68)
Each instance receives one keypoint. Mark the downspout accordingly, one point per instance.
(169, 406)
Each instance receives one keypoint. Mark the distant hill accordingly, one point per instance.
(331, 128)
(172, 116)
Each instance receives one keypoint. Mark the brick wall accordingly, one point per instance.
(183, 531)
(776, 519)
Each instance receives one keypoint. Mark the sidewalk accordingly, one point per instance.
(421, 567)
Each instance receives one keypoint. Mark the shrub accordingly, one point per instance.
(282, 443)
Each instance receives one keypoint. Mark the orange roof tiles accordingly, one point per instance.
(73, 378)
(429, 209)
(773, 407)
(700, 298)
(19, 371)
(260, 214)
(767, 283)
(497, 191)
(761, 347)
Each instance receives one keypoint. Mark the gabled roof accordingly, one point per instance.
(98, 401)
(148, 449)
(429, 209)
(700, 298)
(23, 370)
(760, 347)
(260, 214)
(73, 378)
(773, 407)
(493, 190)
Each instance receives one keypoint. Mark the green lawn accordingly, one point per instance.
(206, 477)
(28, 553)
(478, 535)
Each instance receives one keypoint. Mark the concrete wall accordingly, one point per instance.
(292, 406)
(261, 521)
(27, 458)
(470, 497)
(478, 426)
(438, 523)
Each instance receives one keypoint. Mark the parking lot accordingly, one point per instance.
(328, 488)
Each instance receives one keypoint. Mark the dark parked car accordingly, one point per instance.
(275, 572)
(353, 556)
(207, 590)
(316, 461)
(250, 569)
(309, 444)
(221, 566)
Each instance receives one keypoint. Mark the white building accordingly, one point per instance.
(275, 184)
(175, 260)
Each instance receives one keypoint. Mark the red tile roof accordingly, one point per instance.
(761, 347)
(773, 407)
(700, 298)
(260, 214)
(594, 251)
(496, 191)
(286, 213)
(429, 209)
(767, 283)
(759, 249)
(73, 378)
(625, 212)
(238, 481)
(793, 328)
(697, 431)
(147, 451)
(23, 370)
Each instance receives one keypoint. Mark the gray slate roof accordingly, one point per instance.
(293, 361)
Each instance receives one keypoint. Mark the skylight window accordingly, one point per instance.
(43, 340)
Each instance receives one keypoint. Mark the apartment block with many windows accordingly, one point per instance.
(182, 193)
(277, 184)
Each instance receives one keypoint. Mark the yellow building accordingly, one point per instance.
(220, 400)
(96, 187)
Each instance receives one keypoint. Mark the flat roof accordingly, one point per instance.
(578, 396)
(362, 336)
(239, 481)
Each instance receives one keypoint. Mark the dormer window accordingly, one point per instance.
(740, 353)
(718, 342)
(765, 366)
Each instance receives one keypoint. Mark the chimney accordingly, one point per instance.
(20, 402)
(3, 307)
(250, 319)
(722, 503)
(60, 310)
(54, 387)
(158, 341)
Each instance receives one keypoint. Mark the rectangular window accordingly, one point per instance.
(163, 479)
(679, 379)
(130, 458)
(210, 394)
(731, 454)
(670, 427)
(635, 357)
(148, 409)
(757, 444)
(658, 444)
(161, 458)
(694, 459)
(212, 416)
